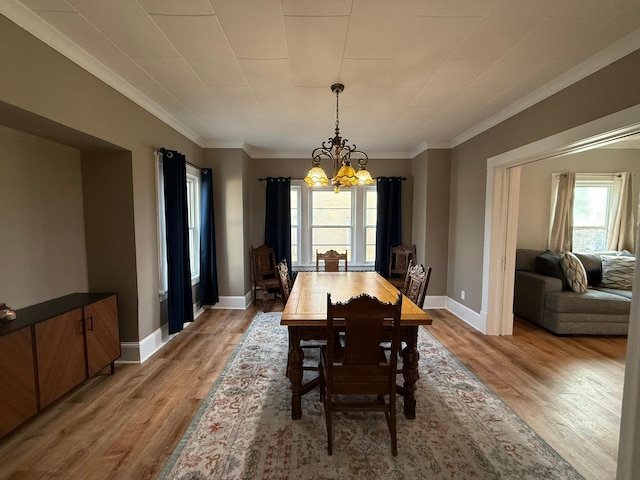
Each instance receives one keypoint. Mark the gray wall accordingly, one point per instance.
(66, 104)
(535, 187)
(298, 168)
(432, 175)
(42, 234)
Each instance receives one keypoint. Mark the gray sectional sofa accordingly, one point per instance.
(541, 296)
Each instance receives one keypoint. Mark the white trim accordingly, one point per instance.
(35, 25)
(606, 57)
(139, 352)
(583, 137)
(432, 302)
(232, 303)
(466, 314)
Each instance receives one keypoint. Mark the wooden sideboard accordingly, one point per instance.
(52, 347)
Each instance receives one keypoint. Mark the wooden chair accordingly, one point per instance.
(399, 260)
(331, 260)
(416, 283)
(285, 280)
(263, 261)
(360, 367)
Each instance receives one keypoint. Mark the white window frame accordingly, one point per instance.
(193, 213)
(597, 180)
(357, 249)
(296, 237)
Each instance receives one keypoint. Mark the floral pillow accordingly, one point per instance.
(617, 271)
(574, 272)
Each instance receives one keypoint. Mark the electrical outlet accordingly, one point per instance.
(462, 294)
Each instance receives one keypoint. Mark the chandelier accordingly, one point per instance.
(339, 152)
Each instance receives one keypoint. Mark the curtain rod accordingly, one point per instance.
(187, 162)
(263, 179)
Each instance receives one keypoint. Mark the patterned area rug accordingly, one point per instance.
(243, 430)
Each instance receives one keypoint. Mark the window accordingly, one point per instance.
(322, 219)
(193, 213)
(295, 223)
(591, 205)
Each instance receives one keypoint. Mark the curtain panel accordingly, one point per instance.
(389, 220)
(277, 228)
(561, 228)
(208, 260)
(179, 296)
(621, 225)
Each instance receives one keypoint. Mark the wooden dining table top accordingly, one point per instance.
(307, 304)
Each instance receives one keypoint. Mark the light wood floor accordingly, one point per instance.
(125, 426)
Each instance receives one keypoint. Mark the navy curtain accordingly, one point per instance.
(180, 299)
(208, 263)
(277, 229)
(389, 220)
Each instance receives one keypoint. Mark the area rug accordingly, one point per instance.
(243, 430)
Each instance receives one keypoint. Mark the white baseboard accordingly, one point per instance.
(431, 302)
(138, 352)
(232, 303)
(466, 314)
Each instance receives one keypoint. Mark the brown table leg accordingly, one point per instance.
(295, 360)
(410, 357)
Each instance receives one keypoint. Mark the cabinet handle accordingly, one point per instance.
(90, 323)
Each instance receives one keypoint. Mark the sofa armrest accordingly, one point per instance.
(530, 294)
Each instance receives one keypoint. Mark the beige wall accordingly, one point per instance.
(607, 91)
(42, 235)
(535, 187)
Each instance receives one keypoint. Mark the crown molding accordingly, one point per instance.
(606, 57)
(32, 23)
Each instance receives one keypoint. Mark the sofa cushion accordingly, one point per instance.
(616, 291)
(548, 263)
(593, 301)
(526, 259)
(574, 272)
(592, 264)
(617, 271)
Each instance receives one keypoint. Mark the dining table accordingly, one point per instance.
(305, 316)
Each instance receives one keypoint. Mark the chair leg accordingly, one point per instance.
(327, 414)
(392, 424)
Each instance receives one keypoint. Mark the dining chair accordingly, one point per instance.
(357, 375)
(285, 280)
(263, 261)
(416, 284)
(331, 259)
(400, 258)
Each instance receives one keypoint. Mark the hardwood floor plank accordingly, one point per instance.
(125, 426)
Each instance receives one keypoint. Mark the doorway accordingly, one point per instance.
(502, 202)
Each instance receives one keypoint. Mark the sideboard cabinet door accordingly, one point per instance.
(60, 353)
(103, 338)
(18, 400)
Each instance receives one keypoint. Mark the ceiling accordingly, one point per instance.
(256, 74)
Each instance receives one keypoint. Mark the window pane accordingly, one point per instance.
(295, 223)
(591, 206)
(589, 239)
(325, 237)
(330, 208)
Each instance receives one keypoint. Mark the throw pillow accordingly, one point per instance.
(548, 263)
(592, 264)
(574, 272)
(617, 271)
